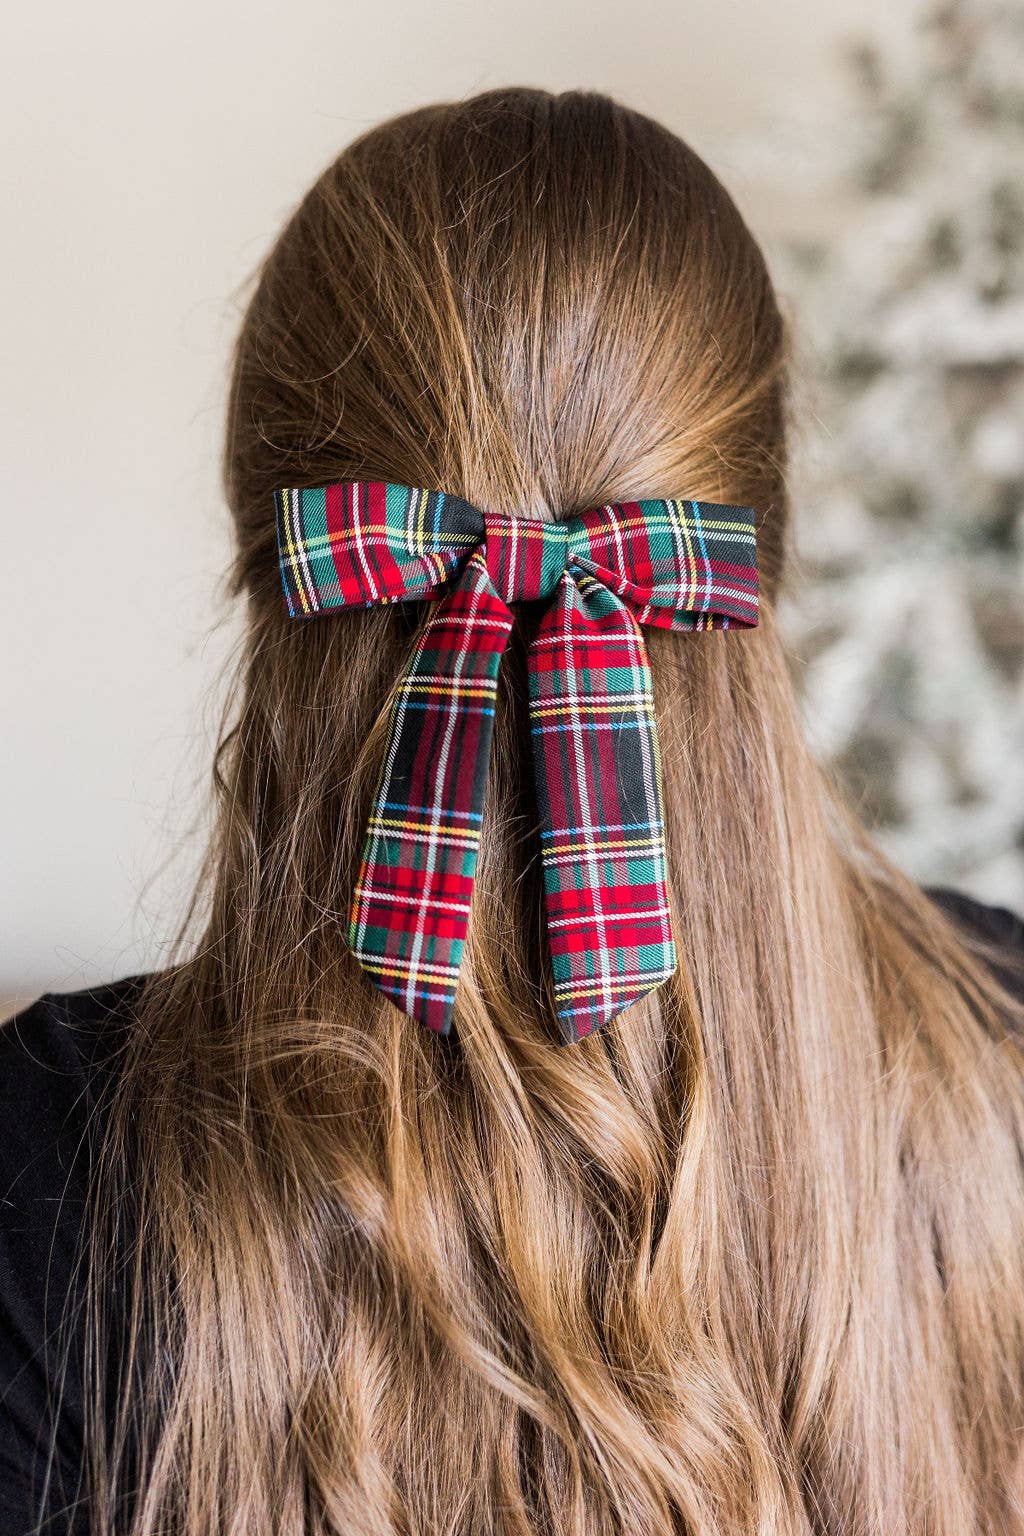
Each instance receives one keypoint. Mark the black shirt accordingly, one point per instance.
(55, 1064)
(55, 1058)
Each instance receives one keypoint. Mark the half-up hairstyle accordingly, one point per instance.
(747, 1259)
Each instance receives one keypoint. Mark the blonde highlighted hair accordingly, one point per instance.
(750, 1258)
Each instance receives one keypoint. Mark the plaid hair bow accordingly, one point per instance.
(678, 564)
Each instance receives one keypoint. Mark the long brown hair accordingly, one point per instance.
(750, 1258)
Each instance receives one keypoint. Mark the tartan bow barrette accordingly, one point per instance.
(678, 564)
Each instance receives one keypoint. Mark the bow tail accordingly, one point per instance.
(410, 905)
(598, 781)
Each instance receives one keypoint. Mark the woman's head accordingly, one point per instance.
(542, 303)
(690, 1274)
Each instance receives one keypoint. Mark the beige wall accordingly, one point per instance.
(151, 154)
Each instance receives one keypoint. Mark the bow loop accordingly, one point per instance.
(680, 564)
(365, 542)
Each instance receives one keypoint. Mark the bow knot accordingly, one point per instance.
(526, 558)
(678, 564)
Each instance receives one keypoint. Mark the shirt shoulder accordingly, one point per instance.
(57, 1057)
(56, 1062)
(996, 931)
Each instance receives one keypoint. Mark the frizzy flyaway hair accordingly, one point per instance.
(748, 1258)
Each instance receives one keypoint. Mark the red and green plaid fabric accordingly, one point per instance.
(678, 564)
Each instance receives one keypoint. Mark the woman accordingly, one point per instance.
(744, 1257)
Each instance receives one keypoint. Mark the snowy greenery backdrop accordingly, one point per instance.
(905, 610)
